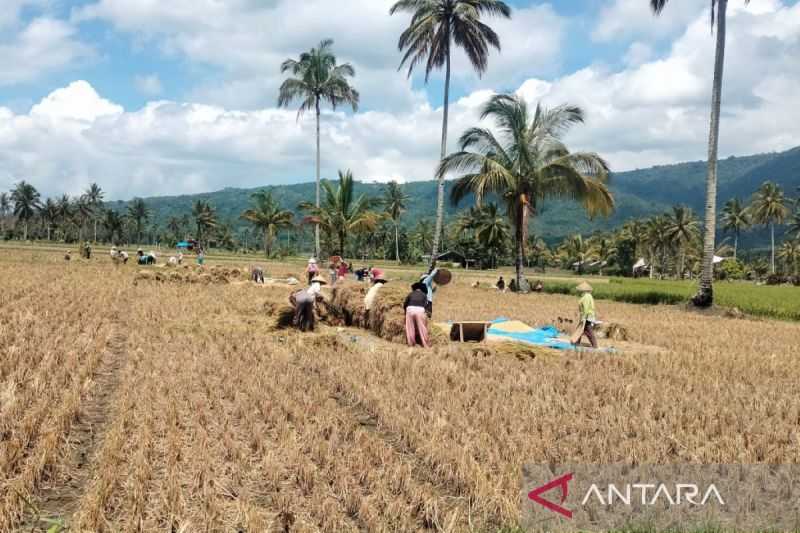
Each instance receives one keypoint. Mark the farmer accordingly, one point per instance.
(201, 257)
(588, 315)
(372, 293)
(257, 274)
(87, 250)
(68, 256)
(303, 302)
(124, 256)
(312, 270)
(501, 284)
(430, 289)
(342, 270)
(333, 270)
(538, 286)
(416, 321)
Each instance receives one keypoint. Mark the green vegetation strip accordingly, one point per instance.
(782, 302)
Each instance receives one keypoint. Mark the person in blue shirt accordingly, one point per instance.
(430, 289)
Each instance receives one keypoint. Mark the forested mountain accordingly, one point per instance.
(639, 193)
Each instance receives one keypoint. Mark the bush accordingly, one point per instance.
(731, 269)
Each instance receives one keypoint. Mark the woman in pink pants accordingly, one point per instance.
(416, 319)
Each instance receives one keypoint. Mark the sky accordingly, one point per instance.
(165, 97)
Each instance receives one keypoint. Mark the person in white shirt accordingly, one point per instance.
(372, 293)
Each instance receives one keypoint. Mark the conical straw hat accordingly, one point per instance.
(583, 287)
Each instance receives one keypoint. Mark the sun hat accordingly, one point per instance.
(312, 261)
(583, 287)
(319, 279)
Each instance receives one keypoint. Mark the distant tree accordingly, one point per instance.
(83, 211)
(789, 255)
(318, 79)
(94, 198)
(681, 230)
(527, 164)
(576, 251)
(5, 209)
(769, 208)
(705, 294)
(205, 218)
(604, 249)
(341, 212)
(437, 26)
(735, 218)
(492, 231)
(394, 201)
(49, 212)
(794, 223)
(267, 216)
(657, 243)
(26, 200)
(422, 235)
(139, 214)
(113, 224)
(175, 226)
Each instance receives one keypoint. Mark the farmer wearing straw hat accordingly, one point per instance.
(312, 269)
(588, 316)
(303, 302)
(372, 293)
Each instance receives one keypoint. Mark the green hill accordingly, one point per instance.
(639, 193)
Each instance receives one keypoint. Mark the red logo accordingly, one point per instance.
(563, 483)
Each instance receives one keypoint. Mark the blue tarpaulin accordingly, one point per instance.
(547, 337)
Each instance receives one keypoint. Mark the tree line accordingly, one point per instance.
(366, 227)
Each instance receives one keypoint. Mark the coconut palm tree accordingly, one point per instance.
(719, 8)
(341, 212)
(769, 208)
(491, 230)
(657, 244)
(49, 212)
(66, 213)
(604, 249)
(394, 201)
(317, 79)
(5, 209)
(205, 218)
(735, 218)
(576, 251)
(527, 164)
(267, 216)
(681, 230)
(437, 25)
(789, 255)
(113, 224)
(794, 223)
(94, 198)
(139, 214)
(26, 200)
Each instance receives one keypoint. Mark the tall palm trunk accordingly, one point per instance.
(396, 243)
(342, 238)
(772, 241)
(267, 243)
(440, 189)
(316, 226)
(735, 245)
(95, 231)
(705, 294)
(522, 233)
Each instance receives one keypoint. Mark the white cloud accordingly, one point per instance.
(149, 85)
(248, 40)
(45, 45)
(621, 19)
(654, 110)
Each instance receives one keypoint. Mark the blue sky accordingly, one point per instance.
(172, 96)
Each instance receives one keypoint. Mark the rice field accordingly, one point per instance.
(169, 405)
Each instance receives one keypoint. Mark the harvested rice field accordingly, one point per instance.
(175, 401)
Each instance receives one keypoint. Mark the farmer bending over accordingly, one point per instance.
(303, 302)
(416, 321)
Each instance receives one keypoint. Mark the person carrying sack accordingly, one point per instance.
(587, 314)
(416, 319)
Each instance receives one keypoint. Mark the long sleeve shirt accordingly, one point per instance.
(586, 307)
(428, 282)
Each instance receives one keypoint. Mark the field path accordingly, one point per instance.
(62, 498)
